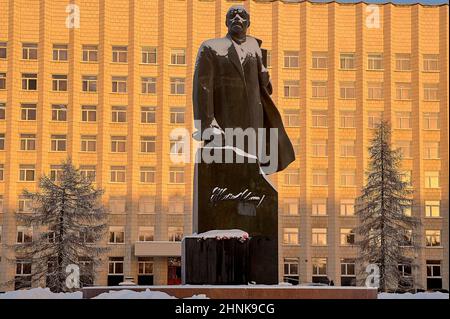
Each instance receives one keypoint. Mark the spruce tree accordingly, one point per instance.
(385, 231)
(71, 219)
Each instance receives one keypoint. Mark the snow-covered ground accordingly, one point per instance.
(45, 293)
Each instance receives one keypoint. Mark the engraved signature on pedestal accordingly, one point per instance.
(221, 194)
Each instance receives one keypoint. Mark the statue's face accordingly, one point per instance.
(238, 20)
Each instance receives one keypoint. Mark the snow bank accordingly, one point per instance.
(40, 293)
(221, 234)
(419, 295)
(130, 294)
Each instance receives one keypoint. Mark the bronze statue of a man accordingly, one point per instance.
(232, 89)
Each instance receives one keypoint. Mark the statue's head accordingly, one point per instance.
(237, 20)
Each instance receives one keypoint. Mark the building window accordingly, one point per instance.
(58, 143)
(320, 177)
(147, 174)
(175, 233)
(59, 82)
(148, 144)
(2, 141)
(431, 62)
(24, 205)
(319, 270)
(375, 61)
(347, 61)
(292, 118)
(119, 54)
(28, 112)
(119, 84)
(56, 172)
(2, 81)
(148, 55)
(60, 52)
(290, 206)
(375, 90)
(347, 236)
(146, 233)
(88, 143)
(178, 56)
(319, 148)
(291, 59)
(348, 178)
(2, 178)
(406, 177)
(2, 111)
(407, 238)
(148, 85)
(320, 118)
(88, 113)
(269, 58)
(348, 272)
(291, 88)
(404, 147)
(119, 114)
(432, 208)
(24, 234)
(403, 91)
(319, 207)
(23, 274)
(115, 265)
(89, 83)
(176, 145)
(177, 86)
(26, 173)
(290, 236)
(291, 274)
(90, 53)
(431, 179)
(29, 81)
(3, 50)
(292, 177)
(320, 60)
(347, 119)
(347, 207)
(403, 62)
(145, 271)
(176, 175)
(177, 115)
(59, 112)
(403, 120)
(118, 174)
(319, 89)
(88, 171)
(433, 238)
(146, 205)
(27, 142)
(431, 121)
(434, 275)
(347, 148)
(296, 142)
(431, 91)
(117, 205)
(319, 236)
(347, 90)
(29, 51)
(176, 205)
(118, 144)
(148, 114)
(374, 118)
(116, 235)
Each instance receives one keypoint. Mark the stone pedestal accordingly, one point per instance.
(237, 196)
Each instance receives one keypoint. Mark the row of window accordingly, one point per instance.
(348, 119)
(347, 178)
(348, 271)
(319, 207)
(291, 88)
(119, 84)
(347, 237)
(291, 59)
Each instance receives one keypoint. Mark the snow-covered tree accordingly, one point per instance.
(71, 219)
(386, 229)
